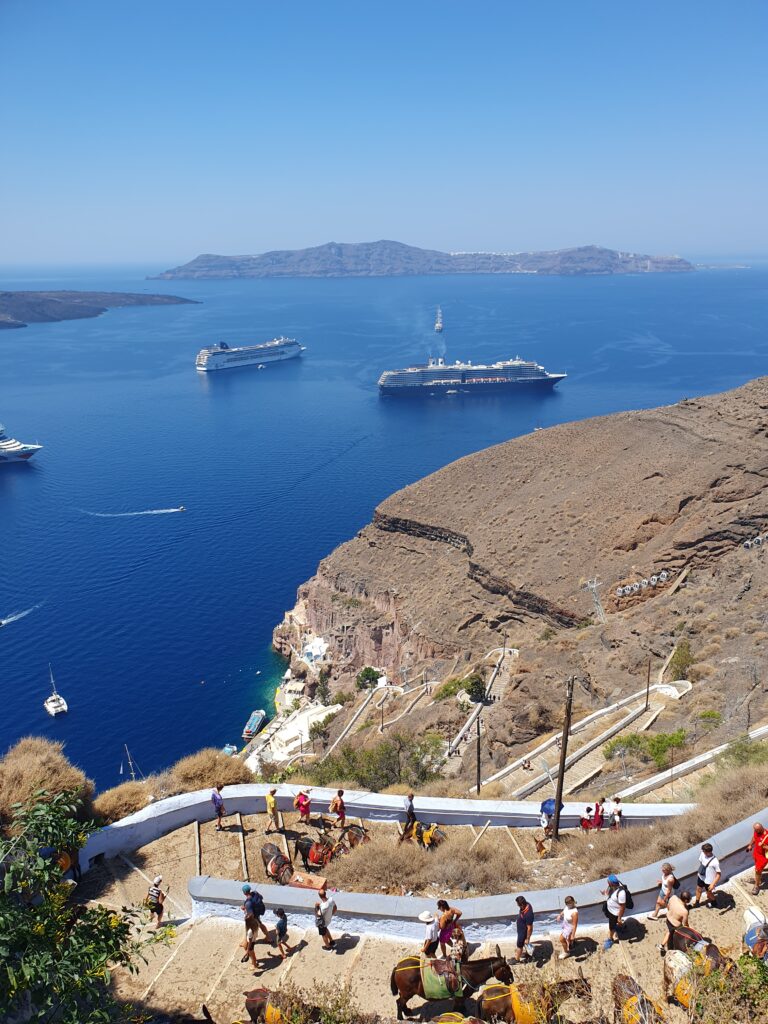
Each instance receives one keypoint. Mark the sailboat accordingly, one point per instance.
(439, 320)
(55, 704)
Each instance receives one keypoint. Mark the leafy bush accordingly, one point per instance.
(547, 633)
(367, 678)
(743, 752)
(475, 687)
(648, 748)
(449, 689)
(345, 697)
(34, 764)
(682, 660)
(57, 958)
(398, 759)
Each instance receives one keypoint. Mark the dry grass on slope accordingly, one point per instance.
(724, 799)
(384, 865)
(202, 770)
(33, 764)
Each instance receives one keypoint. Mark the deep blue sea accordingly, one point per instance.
(158, 627)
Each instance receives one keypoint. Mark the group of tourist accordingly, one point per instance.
(443, 929)
(602, 814)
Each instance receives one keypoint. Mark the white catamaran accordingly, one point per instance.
(55, 704)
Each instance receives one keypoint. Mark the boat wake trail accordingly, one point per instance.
(20, 615)
(130, 515)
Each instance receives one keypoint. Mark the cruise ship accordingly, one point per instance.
(224, 357)
(14, 451)
(440, 378)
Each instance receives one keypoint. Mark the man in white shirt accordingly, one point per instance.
(614, 814)
(615, 908)
(708, 877)
(325, 908)
(431, 934)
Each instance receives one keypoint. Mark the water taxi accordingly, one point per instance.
(254, 724)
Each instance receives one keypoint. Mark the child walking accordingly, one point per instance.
(281, 934)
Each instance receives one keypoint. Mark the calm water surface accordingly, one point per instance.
(158, 627)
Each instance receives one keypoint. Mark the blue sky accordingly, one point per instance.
(158, 129)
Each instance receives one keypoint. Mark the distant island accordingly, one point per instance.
(394, 259)
(17, 309)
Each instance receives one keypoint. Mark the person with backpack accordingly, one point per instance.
(708, 876)
(667, 885)
(338, 808)
(155, 901)
(253, 911)
(618, 901)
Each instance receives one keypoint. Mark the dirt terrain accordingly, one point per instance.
(502, 542)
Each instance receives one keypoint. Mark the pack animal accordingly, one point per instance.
(529, 1004)
(406, 979)
(276, 864)
(631, 1005)
(695, 945)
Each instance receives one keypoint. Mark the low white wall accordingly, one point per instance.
(484, 917)
(167, 815)
(685, 768)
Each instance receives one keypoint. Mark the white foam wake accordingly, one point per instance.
(20, 615)
(128, 515)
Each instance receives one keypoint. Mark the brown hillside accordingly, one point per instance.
(502, 541)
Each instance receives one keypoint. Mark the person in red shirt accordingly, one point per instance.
(758, 847)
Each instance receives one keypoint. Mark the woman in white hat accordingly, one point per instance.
(432, 933)
(155, 900)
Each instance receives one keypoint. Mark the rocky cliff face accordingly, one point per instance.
(394, 259)
(501, 542)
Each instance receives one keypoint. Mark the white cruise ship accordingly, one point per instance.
(14, 451)
(224, 357)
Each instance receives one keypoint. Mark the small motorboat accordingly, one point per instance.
(254, 724)
(55, 704)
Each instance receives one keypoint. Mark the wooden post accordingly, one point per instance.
(479, 837)
(198, 852)
(648, 687)
(243, 856)
(563, 752)
(478, 752)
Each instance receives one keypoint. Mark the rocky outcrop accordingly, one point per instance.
(502, 542)
(394, 259)
(17, 309)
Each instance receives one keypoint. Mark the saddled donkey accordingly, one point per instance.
(276, 864)
(407, 981)
(689, 941)
(631, 1005)
(529, 1003)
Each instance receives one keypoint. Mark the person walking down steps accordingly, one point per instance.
(273, 816)
(253, 911)
(155, 901)
(218, 805)
(325, 908)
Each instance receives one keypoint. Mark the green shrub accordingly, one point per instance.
(648, 748)
(399, 758)
(475, 687)
(682, 660)
(548, 633)
(449, 689)
(743, 752)
(345, 697)
(367, 678)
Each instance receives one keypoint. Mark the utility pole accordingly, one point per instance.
(648, 688)
(478, 752)
(563, 754)
(592, 586)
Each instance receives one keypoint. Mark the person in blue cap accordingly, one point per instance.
(615, 907)
(253, 911)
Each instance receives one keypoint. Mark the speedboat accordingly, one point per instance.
(229, 749)
(254, 724)
(55, 704)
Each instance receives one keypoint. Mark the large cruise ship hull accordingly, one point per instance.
(446, 388)
(256, 360)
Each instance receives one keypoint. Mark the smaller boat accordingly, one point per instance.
(229, 749)
(55, 704)
(439, 321)
(254, 724)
